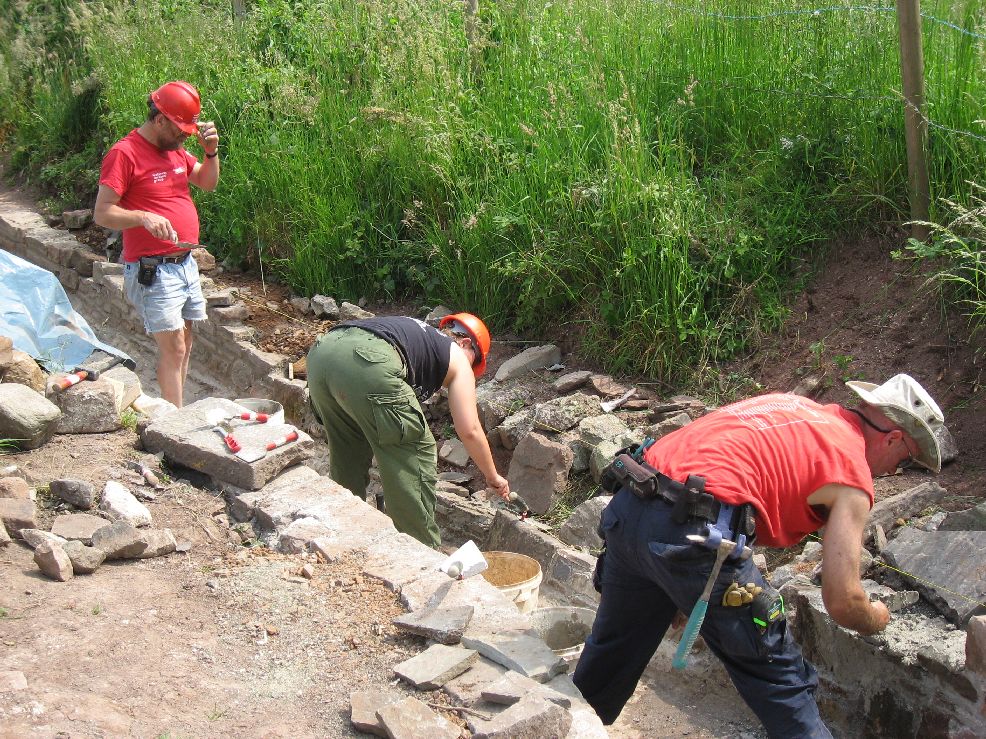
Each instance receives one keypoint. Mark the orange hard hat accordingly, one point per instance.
(477, 331)
(179, 102)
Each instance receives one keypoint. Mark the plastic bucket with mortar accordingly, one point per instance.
(273, 409)
(517, 576)
(564, 629)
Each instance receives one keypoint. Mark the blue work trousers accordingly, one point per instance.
(650, 571)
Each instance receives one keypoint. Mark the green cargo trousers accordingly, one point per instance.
(357, 387)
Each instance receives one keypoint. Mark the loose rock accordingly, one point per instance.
(77, 493)
(53, 561)
(85, 560)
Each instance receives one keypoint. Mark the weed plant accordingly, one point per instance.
(648, 173)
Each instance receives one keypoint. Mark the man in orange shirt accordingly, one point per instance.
(774, 468)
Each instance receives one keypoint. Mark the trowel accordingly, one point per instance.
(253, 454)
(464, 562)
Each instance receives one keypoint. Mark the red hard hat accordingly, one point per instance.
(477, 332)
(179, 102)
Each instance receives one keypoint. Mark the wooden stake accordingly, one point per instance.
(915, 126)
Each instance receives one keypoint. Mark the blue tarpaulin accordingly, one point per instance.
(36, 314)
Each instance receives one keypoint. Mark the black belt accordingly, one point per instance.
(170, 260)
(688, 499)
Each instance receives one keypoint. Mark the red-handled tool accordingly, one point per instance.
(232, 444)
(252, 455)
(72, 378)
(255, 417)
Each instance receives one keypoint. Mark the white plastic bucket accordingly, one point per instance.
(517, 576)
(273, 409)
(564, 629)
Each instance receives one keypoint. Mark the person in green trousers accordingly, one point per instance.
(367, 379)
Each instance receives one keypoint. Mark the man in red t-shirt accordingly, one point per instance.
(774, 468)
(143, 191)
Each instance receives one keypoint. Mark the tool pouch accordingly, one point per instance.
(147, 271)
(624, 471)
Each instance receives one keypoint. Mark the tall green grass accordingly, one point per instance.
(648, 172)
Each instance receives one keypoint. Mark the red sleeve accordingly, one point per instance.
(116, 172)
(190, 160)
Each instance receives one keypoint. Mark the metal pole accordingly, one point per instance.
(915, 126)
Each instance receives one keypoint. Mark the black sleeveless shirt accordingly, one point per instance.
(423, 348)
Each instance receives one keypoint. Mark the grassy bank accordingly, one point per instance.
(653, 171)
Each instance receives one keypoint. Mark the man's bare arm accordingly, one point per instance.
(108, 214)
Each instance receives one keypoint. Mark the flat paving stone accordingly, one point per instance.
(468, 687)
(513, 687)
(435, 666)
(412, 719)
(77, 526)
(530, 718)
(443, 625)
(186, 437)
(364, 705)
(400, 560)
(519, 651)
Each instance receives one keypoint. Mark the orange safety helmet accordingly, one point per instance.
(477, 331)
(180, 103)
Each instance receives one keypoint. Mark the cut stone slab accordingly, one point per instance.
(186, 437)
(35, 537)
(351, 312)
(77, 493)
(77, 526)
(298, 535)
(18, 514)
(121, 504)
(243, 503)
(53, 561)
(468, 687)
(534, 358)
(365, 704)
(973, 519)
(607, 427)
(89, 407)
(571, 571)
(515, 427)
(513, 687)
(904, 505)
(26, 416)
(520, 652)
(581, 528)
(157, 543)
(607, 386)
(539, 470)
(571, 381)
(129, 384)
(412, 719)
(436, 665)
(456, 478)
(85, 560)
(531, 718)
(443, 625)
(15, 487)
(75, 219)
(495, 403)
(667, 425)
(401, 559)
(562, 413)
(120, 540)
(940, 563)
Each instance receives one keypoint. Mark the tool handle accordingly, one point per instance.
(71, 379)
(251, 416)
(692, 628)
(232, 444)
(282, 441)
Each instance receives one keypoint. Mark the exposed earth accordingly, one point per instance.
(229, 640)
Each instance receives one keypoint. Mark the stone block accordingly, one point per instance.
(442, 625)
(539, 470)
(668, 425)
(518, 651)
(325, 307)
(85, 560)
(364, 705)
(454, 452)
(570, 571)
(36, 537)
(435, 666)
(102, 270)
(973, 519)
(939, 563)
(509, 534)
(6, 352)
(89, 407)
(975, 645)
(129, 384)
(76, 219)
(565, 412)
(83, 261)
(243, 503)
(904, 505)
(350, 312)
(534, 358)
(186, 437)
(515, 427)
(77, 493)
(582, 526)
(219, 298)
(18, 514)
(468, 687)
(495, 403)
(412, 719)
(513, 687)
(23, 369)
(119, 540)
(298, 535)
(53, 561)
(77, 526)
(157, 543)
(15, 487)
(120, 504)
(531, 718)
(399, 560)
(571, 381)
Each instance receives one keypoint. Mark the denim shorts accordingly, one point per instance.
(173, 298)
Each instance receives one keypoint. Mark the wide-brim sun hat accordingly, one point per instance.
(909, 406)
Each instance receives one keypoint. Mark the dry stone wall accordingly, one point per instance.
(223, 345)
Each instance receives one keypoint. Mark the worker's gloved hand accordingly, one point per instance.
(500, 486)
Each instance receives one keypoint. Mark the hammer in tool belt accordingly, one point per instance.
(724, 549)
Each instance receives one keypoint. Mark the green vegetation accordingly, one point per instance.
(651, 174)
(129, 419)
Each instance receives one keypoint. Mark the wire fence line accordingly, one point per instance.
(816, 12)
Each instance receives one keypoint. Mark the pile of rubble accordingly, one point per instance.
(33, 408)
